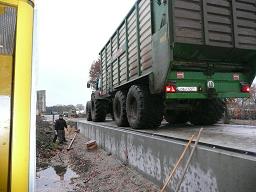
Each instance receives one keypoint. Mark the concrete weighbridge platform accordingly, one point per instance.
(224, 161)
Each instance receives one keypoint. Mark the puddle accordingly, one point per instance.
(56, 178)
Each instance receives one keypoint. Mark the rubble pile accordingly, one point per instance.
(45, 148)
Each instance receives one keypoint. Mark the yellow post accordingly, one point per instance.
(17, 154)
(22, 98)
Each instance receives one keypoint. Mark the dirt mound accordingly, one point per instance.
(45, 148)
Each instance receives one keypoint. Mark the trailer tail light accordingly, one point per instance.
(170, 89)
(245, 89)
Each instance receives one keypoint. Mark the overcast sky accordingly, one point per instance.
(70, 36)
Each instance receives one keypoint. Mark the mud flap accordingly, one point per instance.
(162, 57)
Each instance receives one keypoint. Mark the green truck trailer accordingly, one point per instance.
(178, 60)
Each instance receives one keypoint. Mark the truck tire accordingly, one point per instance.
(143, 110)
(119, 109)
(98, 110)
(173, 117)
(88, 111)
(207, 112)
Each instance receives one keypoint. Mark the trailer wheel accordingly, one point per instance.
(173, 117)
(207, 112)
(88, 111)
(98, 110)
(119, 109)
(143, 110)
(112, 116)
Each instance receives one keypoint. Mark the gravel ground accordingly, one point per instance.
(83, 170)
(100, 171)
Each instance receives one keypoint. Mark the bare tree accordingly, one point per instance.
(253, 94)
(95, 70)
(80, 107)
(243, 108)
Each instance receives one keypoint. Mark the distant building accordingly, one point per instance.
(41, 102)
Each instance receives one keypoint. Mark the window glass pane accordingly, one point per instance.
(7, 30)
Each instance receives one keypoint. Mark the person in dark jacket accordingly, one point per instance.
(60, 124)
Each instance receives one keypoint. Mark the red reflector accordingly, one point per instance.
(245, 89)
(236, 77)
(170, 89)
(180, 75)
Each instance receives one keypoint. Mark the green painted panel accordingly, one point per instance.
(193, 52)
(201, 76)
(186, 96)
(204, 96)
(224, 85)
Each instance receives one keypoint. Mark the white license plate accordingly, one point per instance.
(187, 89)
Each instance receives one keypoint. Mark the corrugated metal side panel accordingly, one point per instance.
(145, 35)
(108, 67)
(246, 23)
(115, 73)
(132, 44)
(114, 44)
(220, 25)
(188, 21)
(223, 23)
(115, 63)
(122, 57)
(135, 45)
(123, 69)
(108, 58)
(122, 35)
(103, 69)
(109, 78)
(7, 31)
(108, 54)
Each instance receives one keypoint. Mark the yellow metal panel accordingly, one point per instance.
(9, 2)
(1, 9)
(14, 2)
(21, 99)
(5, 74)
(5, 111)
